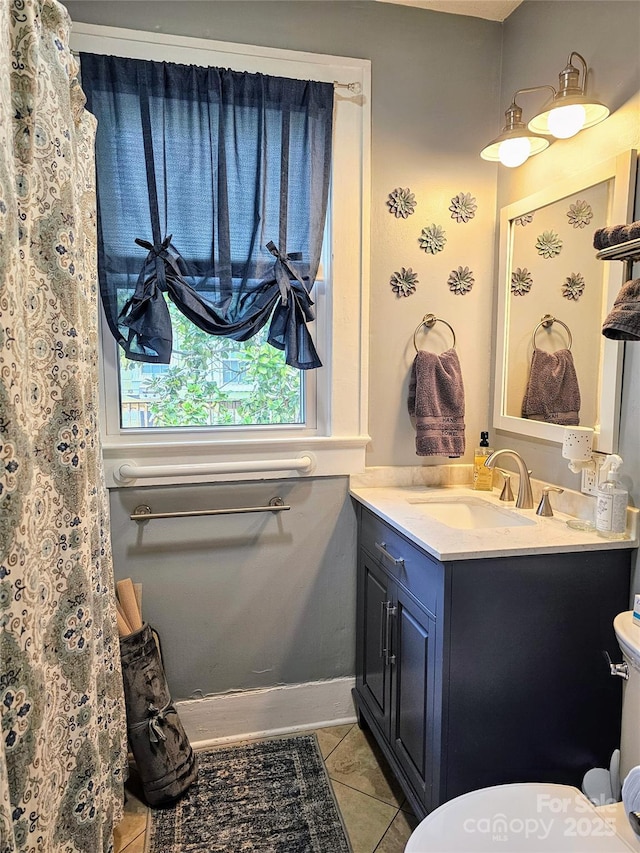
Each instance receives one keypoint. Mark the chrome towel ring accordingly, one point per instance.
(430, 320)
(549, 320)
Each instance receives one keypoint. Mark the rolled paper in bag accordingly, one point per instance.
(166, 763)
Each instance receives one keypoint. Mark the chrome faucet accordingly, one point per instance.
(525, 495)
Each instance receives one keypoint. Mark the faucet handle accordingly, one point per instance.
(544, 507)
(506, 494)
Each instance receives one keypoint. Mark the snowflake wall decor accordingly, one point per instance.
(402, 203)
(432, 239)
(548, 244)
(461, 281)
(580, 213)
(523, 220)
(573, 286)
(521, 281)
(403, 283)
(463, 207)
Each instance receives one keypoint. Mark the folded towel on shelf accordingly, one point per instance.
(623, 321)
(614, 234)
(552, 392)
(436, 399)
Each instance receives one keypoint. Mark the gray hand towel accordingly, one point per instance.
(436, 399)
(623, 322)
(552, 392)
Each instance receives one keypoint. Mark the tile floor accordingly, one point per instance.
(373, 807)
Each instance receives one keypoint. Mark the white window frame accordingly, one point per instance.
(335, 442)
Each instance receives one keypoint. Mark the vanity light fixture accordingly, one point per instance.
(515, 143)
(570, 110)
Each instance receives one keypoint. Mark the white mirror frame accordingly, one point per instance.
(622, 169)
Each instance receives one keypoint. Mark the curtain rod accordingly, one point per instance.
(355, 87)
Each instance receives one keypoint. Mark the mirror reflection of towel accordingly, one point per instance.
(436, 399)
(552, 392)
(623, 321)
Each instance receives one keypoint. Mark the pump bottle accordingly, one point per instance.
(611, 502)
(482, 477)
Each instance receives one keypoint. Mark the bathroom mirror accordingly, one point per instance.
(548, 266)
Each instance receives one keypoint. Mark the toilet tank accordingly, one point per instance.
(628, 636)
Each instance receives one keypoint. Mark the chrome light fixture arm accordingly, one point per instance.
(569, 78)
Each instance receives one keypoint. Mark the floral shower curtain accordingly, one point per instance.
(63, 735)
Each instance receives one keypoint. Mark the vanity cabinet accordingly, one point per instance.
(398, 668)
(471, 673)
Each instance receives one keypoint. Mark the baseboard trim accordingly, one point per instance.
(272, 711)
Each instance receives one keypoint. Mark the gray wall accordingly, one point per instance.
(244, 601)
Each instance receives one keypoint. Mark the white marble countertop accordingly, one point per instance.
(399, 505)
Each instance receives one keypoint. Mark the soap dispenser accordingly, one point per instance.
(612, 500)
(482, 477)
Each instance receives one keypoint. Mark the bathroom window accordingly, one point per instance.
(321, 412)
(211, 382)
(212, 192)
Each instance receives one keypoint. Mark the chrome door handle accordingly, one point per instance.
(390, 612)
(382, 547)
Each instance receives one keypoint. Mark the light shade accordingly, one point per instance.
(570, 110)
(515, 143)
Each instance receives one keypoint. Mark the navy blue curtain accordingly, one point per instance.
(212, 190)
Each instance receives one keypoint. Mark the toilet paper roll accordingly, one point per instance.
(631, 796)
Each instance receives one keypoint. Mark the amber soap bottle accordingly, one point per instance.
(482, 477)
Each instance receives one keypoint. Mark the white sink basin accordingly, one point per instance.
(467, 513)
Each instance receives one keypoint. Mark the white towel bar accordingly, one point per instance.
(133, 471)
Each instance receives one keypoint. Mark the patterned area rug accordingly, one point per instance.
(272, 796)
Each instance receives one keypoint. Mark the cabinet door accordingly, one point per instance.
(373, 634)
(412, 686)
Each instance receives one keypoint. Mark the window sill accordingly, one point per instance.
(330, 456)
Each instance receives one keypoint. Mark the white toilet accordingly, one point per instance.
(540, 817)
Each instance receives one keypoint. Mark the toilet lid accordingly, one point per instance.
(533, 817)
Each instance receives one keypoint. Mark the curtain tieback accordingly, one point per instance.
(283, 271)
(156, 716)
(161, 254)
